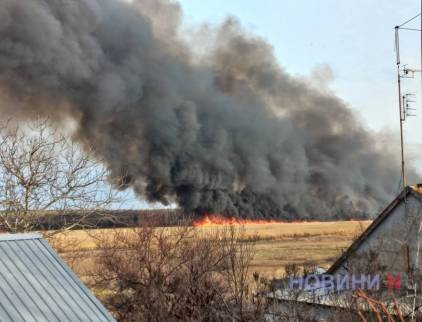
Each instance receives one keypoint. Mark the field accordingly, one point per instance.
(277, 244)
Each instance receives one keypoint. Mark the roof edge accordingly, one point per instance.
(11, 237)
(374, 225)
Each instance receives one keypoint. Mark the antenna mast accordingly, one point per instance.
(404, 100)
(401, 115)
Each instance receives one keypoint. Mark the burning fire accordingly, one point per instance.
(217, 220)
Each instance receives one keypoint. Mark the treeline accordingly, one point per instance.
(112, 219)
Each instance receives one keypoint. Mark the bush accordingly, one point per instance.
(173, 274)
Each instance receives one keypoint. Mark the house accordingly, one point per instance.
(392, 243)
(387, 254)
(36, 285)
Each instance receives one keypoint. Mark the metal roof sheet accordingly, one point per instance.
(36, 285)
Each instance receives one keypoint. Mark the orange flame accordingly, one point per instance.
(217, 220)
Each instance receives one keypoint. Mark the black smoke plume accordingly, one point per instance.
(225, 130)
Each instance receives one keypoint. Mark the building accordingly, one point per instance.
(392, 243)
(390, 250)
(36, 285)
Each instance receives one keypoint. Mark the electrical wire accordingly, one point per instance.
(411, 29)
(407, 21)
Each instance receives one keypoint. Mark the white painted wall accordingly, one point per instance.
(389, 241)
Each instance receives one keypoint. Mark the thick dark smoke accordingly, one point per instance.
(227, 131)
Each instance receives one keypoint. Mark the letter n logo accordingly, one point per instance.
(393, 282)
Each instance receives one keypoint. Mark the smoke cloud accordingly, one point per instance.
(225, 131)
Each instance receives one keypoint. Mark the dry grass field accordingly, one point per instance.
(277, 244)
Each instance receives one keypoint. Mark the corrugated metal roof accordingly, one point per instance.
(36, 285)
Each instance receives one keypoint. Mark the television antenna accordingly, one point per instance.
(408, 99)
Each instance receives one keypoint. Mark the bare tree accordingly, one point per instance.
(41, 173)
(238, 255)
(175, 274)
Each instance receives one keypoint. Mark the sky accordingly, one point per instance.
(355, 39)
